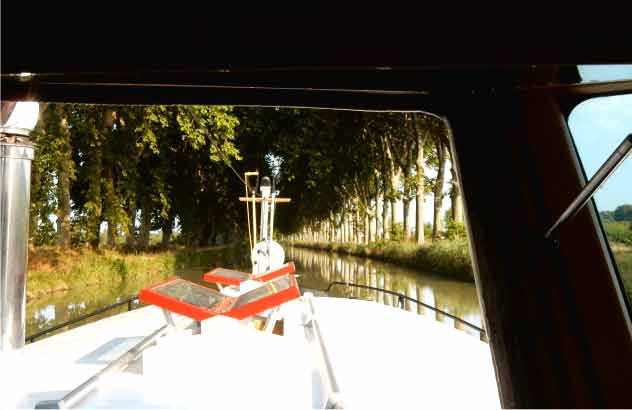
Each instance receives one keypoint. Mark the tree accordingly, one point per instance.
(44, 194)
(430, 133)
(159, 164)
(623, 213)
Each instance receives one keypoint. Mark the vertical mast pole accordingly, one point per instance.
(16, 154)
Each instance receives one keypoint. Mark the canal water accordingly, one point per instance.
(318, 269)
(315, 269)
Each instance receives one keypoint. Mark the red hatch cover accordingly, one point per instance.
(199, 302)
(225, 276)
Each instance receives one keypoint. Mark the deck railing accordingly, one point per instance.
(401, 300)
(130, 302)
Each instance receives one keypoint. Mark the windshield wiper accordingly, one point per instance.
(606, 169)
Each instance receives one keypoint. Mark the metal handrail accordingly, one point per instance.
(402, 297)
(78, 393)
(31, 338)
(129, 301)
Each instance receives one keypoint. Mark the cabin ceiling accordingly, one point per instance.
(110, 55)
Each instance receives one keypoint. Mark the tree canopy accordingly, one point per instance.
(623, 213)
(144, 168)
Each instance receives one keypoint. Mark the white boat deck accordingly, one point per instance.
(381, 357)
(388, 358)
(52, 367)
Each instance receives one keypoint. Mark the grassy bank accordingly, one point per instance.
(623, 257)
(54, 269)
(448, 258)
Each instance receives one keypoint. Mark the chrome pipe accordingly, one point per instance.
(272, 208)
(265, 210)
(334, 398)
(16, 154)
(75, 396)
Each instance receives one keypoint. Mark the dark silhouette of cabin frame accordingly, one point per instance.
(557, 320)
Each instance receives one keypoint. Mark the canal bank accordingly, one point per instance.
(54, 269)
(449, 259)
(64, 284)
(315, 271)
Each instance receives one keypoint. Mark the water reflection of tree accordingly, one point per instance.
(71, 304)
(318, 269)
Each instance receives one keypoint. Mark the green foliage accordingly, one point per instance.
(49, 149)
(121, 159)
(168, 163)
(607, 215)
(44, 232)
(623, 213)
(448, 258)
(623, 258)
(397, 232)
(620, 232)
(454, 230)
(427, 230)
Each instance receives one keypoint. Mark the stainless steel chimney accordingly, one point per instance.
(15, 181)
(16, 154)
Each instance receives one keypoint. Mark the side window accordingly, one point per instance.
(598, 126)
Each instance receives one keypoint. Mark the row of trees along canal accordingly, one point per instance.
(173, 168)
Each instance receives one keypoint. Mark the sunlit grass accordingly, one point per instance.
(54, 269)
(449, 258)
(623, 257)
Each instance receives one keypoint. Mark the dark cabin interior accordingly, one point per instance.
(507, 107)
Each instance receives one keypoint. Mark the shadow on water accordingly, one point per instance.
(316, 270)
(60, 307)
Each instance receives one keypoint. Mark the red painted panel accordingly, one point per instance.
(260, 305)
(224, 307)
(283, 270)
(148, 295)
(213, 277)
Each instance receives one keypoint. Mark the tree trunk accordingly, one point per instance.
(111, 234)
(419, 185)
(438, 189)
(332, 232)
(455, 197)
(393, 218)
(394, 173)
(406, 199)
(130, 240)
(95, 237)
(110, 204)
(343, 229)
(367, 227)
(385, 232)
(356, 224)
(376, 236)
(95, 192)
(145, 225)
(406, 204)
(395, 178)
(167, 230)
(63, 187)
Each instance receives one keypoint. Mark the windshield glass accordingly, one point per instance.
(598, 126)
